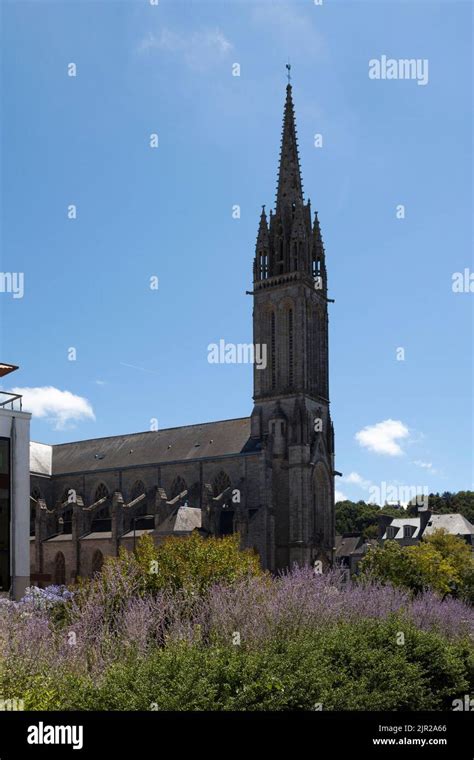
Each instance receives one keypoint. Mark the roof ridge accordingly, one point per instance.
(144, 432)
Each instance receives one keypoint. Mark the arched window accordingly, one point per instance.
(35, 495)
(100, 492)
(97, 561)
(140, 509)
(137, 489)
(322, 510)
(220, 483)
(66, 516)
(273, 350)
(290, 348)
(59, 569)
(316, 349)
(194, 495)
(179, 485)
(101, 515)
(309, 349)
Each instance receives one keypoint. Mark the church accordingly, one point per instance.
(269, 477)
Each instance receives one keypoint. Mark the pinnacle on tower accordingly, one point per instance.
(262, 237)
(290, 188)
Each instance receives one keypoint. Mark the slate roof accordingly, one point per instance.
(206, 440)
(399, 522)
(181, 520)
(453, 523)
(40, 458)
(347, 545)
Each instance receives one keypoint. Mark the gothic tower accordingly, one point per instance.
(291, 415)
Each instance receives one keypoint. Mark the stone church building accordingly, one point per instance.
(269, 476)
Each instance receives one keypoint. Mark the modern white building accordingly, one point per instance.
(14, 492)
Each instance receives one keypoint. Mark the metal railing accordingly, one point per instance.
(10, 401)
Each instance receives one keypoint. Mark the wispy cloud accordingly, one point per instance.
(292, 25)
(198, 49)
(141, 369)
(339, 496)
(383, 437)
(61, 408)
(425, 465)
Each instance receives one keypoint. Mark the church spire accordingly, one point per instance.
(290, 188)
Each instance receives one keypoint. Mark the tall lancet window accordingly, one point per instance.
(321, 343)
(309, 348)
(273, 351)
(290, 349)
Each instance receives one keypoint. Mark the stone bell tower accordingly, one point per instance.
(291, 414)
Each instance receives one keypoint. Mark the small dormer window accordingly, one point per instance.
(391, 531)
(408, 531)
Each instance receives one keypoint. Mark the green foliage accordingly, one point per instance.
(390, 563)
(462, 502)
(459, 555)
(191, 564)
(357, 666)
(359, 517)
(194, 563)
(441, 562)
(432, 570)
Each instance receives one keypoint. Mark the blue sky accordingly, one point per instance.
(167, 212)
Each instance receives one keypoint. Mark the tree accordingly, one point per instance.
(390, 564)
(441, 562)
(360, 517)
(432, 569)
(461, 502)
(194, 563)
(459, 555)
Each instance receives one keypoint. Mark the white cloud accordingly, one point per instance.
(358, 480)
(58, 407)
(100, 382)
(339, 496)
(383, 437)
(198, 49)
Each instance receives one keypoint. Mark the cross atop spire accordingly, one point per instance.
(290, 189)
(288, 68)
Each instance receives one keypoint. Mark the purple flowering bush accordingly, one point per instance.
(46, 598)
(255, 643)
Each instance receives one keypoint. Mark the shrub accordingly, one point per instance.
(304, 639)
(194, 563)
(340, 667)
